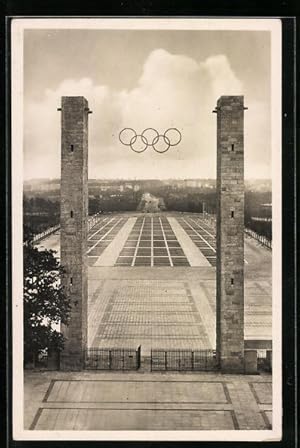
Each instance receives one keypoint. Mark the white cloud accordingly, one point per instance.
(257, 140)
(222, 78)
(173, 91)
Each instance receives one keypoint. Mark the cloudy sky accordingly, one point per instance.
(141, 79)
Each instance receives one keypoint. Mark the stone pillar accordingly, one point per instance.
(250, 357)
(230, 233)
(73, 225)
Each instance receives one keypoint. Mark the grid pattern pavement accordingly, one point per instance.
(158, 308)
(128, 310)
(145, 311)
(152, 242)
(153, 314)
(101, 235)
(202, 236)
(257, 307)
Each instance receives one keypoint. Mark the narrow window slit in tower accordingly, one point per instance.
(71, 213)
(71, 281)
(232, 214)
(232, 147)
(72, 148)
(232, 281)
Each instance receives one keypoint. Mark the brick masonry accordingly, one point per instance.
(73, 221)
(230, 232)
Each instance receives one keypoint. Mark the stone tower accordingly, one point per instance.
(73, 225)
(230, 233)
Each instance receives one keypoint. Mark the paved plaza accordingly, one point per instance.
(140, 401)
(152, 282)
(159, 290)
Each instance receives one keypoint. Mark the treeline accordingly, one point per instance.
(39, 214)
(254, 202)
(190, 201)
(40, 205)
(118, 202)
(254, 207)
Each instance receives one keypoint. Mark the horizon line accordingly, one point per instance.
(143, 179)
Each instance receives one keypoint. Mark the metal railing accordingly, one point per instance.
(260, 238)
(113, 358)
(42, 235)
(211, 220)
(183, 360)
(92, 220)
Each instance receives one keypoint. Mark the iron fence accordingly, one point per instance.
(42, 235)
(113, 358)
(92, 220)
(260, 238)
(211, 219)
(183, 360)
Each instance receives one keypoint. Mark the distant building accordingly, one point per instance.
(191, 183)
(41, 186)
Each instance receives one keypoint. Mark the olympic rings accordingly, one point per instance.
(166, 140)
(178, 133)
(137, 138)
(153, 138)
(124, 130)
(150, 137)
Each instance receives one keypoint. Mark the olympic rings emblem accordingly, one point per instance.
(150, 137)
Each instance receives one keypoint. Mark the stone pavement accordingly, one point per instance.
(155, 313)
(167, 307)
(112, 251)
(194, 255)
(140, 401)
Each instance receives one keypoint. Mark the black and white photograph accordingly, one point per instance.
(146, 167)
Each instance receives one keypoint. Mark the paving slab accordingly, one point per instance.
(168, 307)
(141, 401)
(112, 252)
(193, 254)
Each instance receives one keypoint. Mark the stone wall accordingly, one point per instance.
(230, 232)
(73, 221)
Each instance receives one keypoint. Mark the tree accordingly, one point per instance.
(45, 303)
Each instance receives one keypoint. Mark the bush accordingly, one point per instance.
(45, 303)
